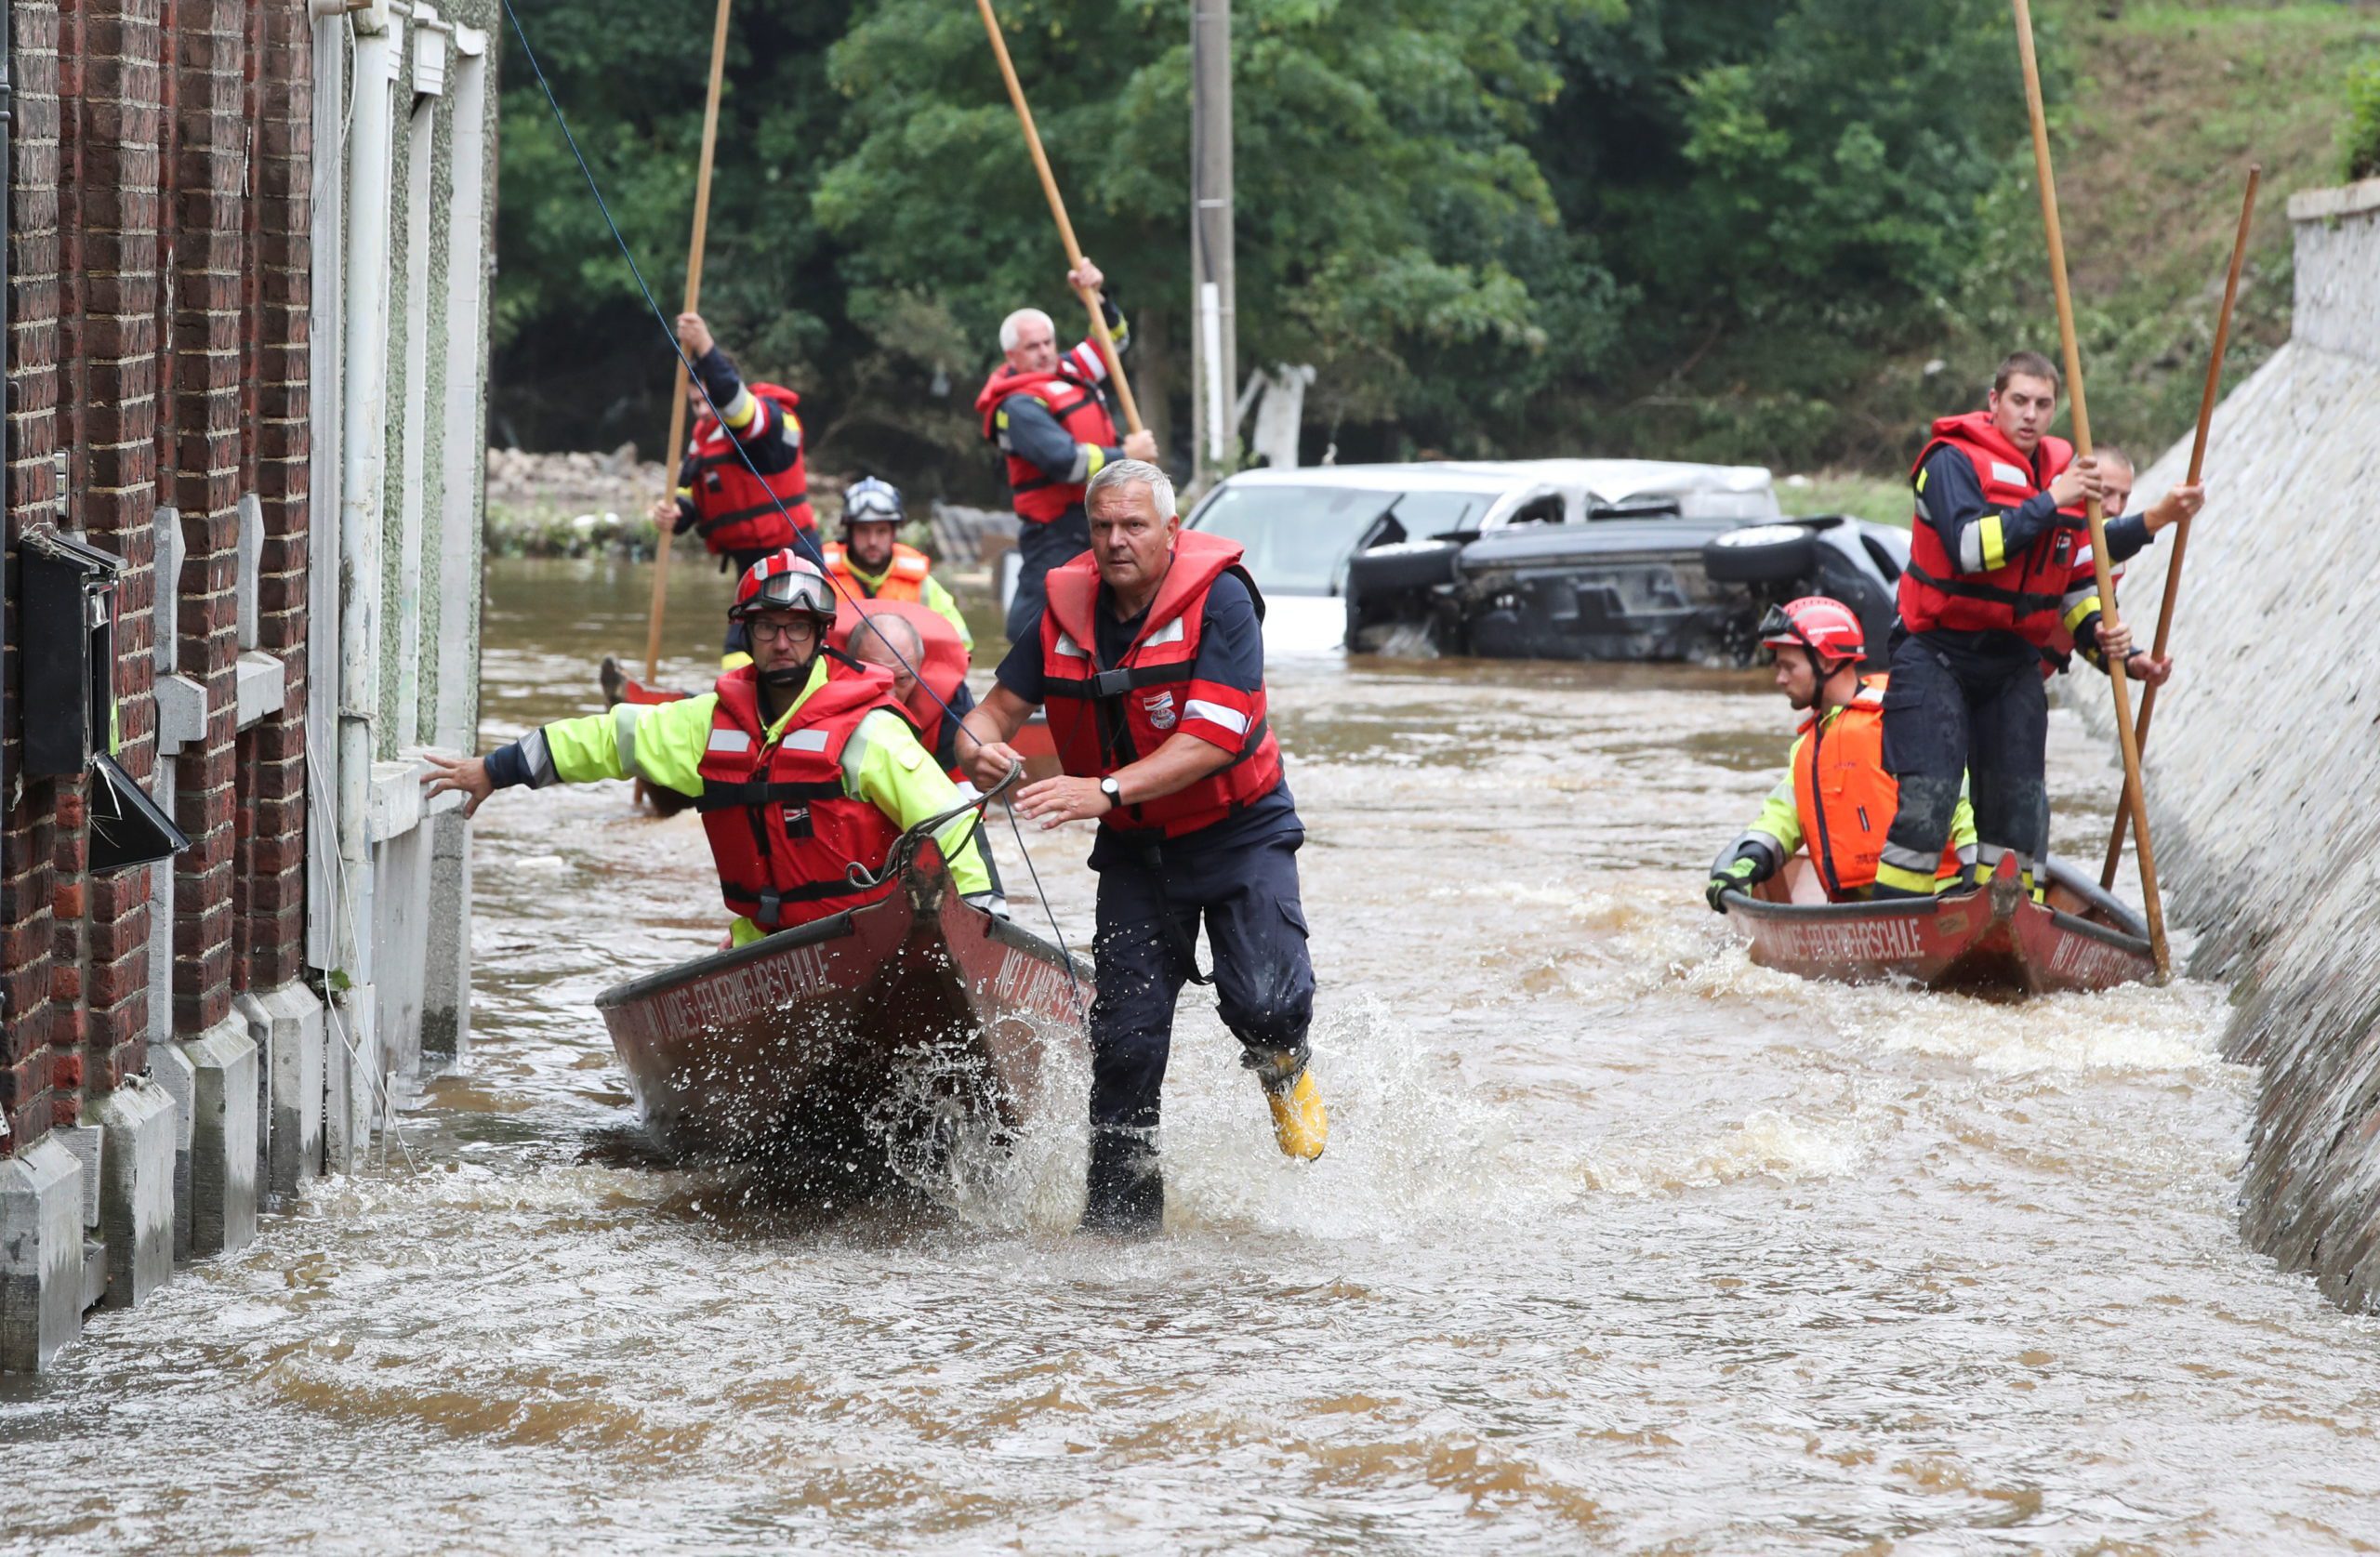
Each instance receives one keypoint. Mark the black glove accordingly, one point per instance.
(1737, 877)
(686, 518)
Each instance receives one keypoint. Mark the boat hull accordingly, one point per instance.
(889, 1016)
(1992, 940)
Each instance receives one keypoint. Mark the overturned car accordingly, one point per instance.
(1552, 559)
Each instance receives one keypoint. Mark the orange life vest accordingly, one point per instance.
(939, 679)
(782, 830)
(2020, 596)
(735, 510)
(1041, 497)
(1843, 797)
(905, 576)
(1102, 718)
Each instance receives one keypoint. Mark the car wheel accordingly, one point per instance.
(1761, 554)
(1403, 565)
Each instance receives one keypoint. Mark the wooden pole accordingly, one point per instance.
(2117, 683)
(2182, 532)
(672, 451)
(1058, 210)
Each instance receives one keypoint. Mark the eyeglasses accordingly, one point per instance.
(799, 627)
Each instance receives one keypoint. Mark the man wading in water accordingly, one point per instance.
(1151, 661)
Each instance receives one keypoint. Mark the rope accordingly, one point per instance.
(818, 555)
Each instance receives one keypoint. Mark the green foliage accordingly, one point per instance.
(2360, 136)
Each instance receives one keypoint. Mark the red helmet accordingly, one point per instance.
(1826, 627)
(784, 581)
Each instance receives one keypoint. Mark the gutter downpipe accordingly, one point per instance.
(363, 461)
(8, 450)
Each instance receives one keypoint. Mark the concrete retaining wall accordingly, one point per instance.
(2264, 752)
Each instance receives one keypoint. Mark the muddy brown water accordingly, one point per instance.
(1622, 1243)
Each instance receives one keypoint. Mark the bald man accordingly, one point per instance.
(894, 636)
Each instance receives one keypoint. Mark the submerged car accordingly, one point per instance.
(1549, 559)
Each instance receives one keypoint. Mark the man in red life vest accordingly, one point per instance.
(1044, 411)
(1150, 660)
(2128, 535)
(800, 762)
(1991, 563)
(740, 484)
(1835, 799)
(918, 649)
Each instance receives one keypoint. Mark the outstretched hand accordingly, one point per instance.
(465, 775)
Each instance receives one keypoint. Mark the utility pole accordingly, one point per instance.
(1214, 346)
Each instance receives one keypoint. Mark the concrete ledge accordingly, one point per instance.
(286, 1026)
(223, 1138)
(2343, 200)
(41, 1255)
(396, 801)
(181, 714)
(85, 1142)
(263, 687)
(136, 1190)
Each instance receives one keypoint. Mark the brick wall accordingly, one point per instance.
(27, 831)
(157, 332)
(272, 756)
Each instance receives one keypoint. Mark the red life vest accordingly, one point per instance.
(1845, 797)
(782, 830)
(939, 679)
(1040, 497)
(1104, 718)
(735, 510)
(2023, 594)
(905, 576)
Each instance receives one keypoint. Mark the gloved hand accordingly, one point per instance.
(1738, 877)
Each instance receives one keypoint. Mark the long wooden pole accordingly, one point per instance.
(674, 450)
(2182, 532)
(1058, 210)
(2121, 687)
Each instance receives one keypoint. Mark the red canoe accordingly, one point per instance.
(1991, 940)
(896, 1014)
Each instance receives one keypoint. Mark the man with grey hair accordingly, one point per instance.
(1045, 412)
(1150, 660)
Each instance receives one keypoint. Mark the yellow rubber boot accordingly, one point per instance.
(1300, 1122)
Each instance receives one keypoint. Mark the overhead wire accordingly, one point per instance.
(802, 537)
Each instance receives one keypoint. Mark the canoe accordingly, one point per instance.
(1991, 940)
(905, 1014)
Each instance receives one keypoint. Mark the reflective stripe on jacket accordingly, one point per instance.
(1075, 404)
(2020, 594)
(735, 510)
(1104, 718)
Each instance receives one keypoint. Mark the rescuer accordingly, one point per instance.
(2127, 535)
(871, 563)
(740, 484)
(1044, 411)
(928, 664)
(1992, 547)
(1835, 799)
(926, 660)
(1150, 661)
(800, 762)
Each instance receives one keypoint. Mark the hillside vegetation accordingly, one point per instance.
(1785, 232)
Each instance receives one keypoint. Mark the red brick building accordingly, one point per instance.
(163, 1030)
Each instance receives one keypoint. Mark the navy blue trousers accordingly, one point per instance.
(1949, 713)
(1248, 899)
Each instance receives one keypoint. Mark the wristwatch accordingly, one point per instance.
(1114, 791)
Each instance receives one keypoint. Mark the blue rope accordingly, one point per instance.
(818, 555)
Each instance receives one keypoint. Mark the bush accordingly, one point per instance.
(2360, 140)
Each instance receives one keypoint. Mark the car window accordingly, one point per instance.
(1299, 537)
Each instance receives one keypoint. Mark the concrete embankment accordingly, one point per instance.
(2265, 751)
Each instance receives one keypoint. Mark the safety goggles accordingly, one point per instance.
(790, 591)
(863, 508)
(1777, 624)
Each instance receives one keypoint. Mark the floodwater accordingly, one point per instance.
(1622, 1243)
